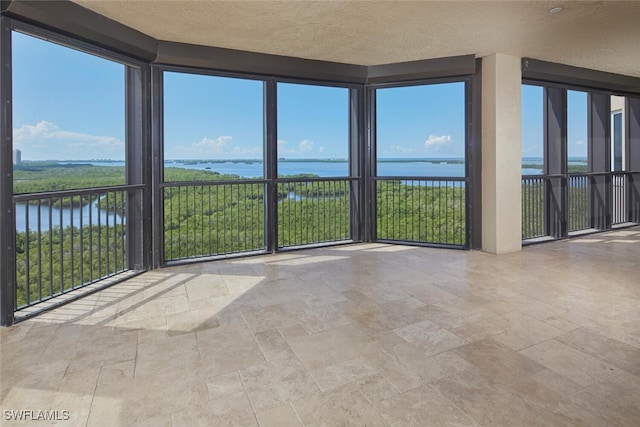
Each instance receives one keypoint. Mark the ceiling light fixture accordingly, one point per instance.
(555, 10)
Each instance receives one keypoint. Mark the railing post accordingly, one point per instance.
(555, 162)
(138, 168)
(357, 156)
(370, 171)
(157, 168)
(7, 218)
(599, 114)
(271, 164)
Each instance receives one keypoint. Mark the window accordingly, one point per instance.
(532, 130)
(577, 136)
(617, 133)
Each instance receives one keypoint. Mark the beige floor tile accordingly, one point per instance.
(75, 395)
(619, 396)
(406, 367)
(117, 371)
(279, 381)
(191, 321)
(616, 411)
(553, 392)
(282, 415)
(376, 388)
(273, 345)
(204, 286)
(330, 347)
(422, 406)
(228, 348)
(492, 404)
(521, 331)
(105, 351)
(477, 331)
(497, 361)
(228, 397)
(267, 318)
(166, 354)
(342, 373)
(320, 318)
(338, 407)
(431, 337)
(612, 351)
(577, 366)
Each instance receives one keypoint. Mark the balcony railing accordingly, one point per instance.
(579, 191)
(204, 219)
(533, 214)
(620, 189)
(578, 188)
(313, 210)
(430, 210)
(68, 239)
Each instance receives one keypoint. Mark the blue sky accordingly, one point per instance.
(70, 105)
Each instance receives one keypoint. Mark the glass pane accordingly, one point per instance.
(421, 130)
(69, 117)
(532, 130)
(577, 128)
(213, 127)
(617, 133)
(313, 130)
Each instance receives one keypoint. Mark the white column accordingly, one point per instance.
(501, 154)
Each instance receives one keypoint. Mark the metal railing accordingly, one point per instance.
(204, 219)
(580, 187)
(533, 211)
(430, 210)
(313, 210)
(68, 239)
(620, 214)
(579, 206)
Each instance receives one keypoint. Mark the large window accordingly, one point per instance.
(314, 191)
(421, 164)
(214, 198)
(69, 130)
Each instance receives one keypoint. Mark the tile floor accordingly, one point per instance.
(358, 335)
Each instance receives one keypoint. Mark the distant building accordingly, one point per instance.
(17, 156)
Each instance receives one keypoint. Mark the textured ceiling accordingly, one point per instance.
(603, 35)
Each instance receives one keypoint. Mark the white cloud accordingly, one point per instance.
(436, 142)
(398, 149)
(210, 148)
(304, 146)
(213, 146)
(44, 130)
(579, 142)
(45, 140)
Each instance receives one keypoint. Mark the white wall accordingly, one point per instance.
(501, 154)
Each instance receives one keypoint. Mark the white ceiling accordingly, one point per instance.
(602, 35)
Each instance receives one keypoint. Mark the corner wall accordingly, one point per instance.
(501, 154)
